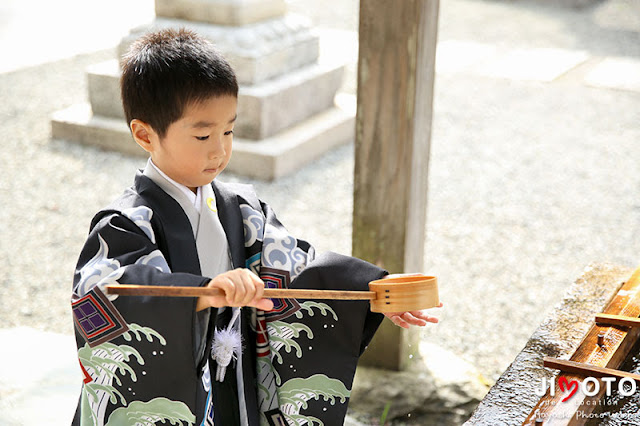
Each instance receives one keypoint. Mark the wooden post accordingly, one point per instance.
(393, 131)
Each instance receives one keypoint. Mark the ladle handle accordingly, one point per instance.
(270, 293)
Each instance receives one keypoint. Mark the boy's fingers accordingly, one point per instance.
(412, 319)
(423, 316)
(256, 283)
(245, 290)
(264, 304)
(259, 294)
(226, 284)
(397, 320)
(258, 300)
(406, 319)
(254, 287)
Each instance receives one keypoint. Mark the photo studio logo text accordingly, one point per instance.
(589, 387)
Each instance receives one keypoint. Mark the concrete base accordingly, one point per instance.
(268, 159)
(78, 124)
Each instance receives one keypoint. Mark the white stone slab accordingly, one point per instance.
(40, 378)
(542, 64)
(454, 56)
(616, 73)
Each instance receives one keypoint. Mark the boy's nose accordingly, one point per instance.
(217, 149)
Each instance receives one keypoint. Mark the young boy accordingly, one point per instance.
(205, 360)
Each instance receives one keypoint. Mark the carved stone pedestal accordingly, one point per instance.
(287, 114)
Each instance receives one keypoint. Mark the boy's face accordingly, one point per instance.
(197, 147)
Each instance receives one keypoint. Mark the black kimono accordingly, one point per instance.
(148, 359)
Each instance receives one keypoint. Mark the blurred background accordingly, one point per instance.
(533, 173)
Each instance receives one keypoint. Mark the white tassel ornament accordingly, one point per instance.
(227, 345)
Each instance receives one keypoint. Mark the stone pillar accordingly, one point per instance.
(286, 111)
(393, 132)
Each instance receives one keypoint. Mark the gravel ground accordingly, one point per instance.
(529, 182)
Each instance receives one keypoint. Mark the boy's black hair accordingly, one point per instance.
(165, 71)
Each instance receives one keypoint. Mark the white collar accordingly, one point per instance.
(195, 199)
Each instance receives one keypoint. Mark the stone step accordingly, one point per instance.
(264, 109)
(267, 159)
(78, 124)
(258, 51)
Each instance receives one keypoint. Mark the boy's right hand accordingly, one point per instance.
(241, 288)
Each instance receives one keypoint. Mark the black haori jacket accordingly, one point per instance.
(148, 359)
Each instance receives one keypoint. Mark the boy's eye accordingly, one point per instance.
(204, 138)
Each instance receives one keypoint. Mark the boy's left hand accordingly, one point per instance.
(407, 319)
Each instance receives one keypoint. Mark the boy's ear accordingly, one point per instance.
(143, 134)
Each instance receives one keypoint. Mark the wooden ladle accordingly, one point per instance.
(392, 294)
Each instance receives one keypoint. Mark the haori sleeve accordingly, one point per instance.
(136, 352)
(122, 249)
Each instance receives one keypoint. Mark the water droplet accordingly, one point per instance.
(310, 347)
(161, 353)
(332, 325)
(291, 366)
(324, 409)
(409, 415)
(325, 326)
(129, 389)
(144, 373)
(154, 353)
(410, 356)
